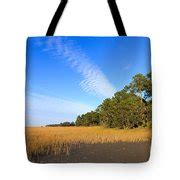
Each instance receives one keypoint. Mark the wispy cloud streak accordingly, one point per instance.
(44, 103)
(94, 80)
(43, 109)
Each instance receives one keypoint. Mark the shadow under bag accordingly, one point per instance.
(88, 99)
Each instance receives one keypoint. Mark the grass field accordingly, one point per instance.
(43, 141)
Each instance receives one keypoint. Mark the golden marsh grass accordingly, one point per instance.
(57, 140)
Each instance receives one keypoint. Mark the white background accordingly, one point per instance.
(158, 19)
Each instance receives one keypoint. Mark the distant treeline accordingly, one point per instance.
(127, 109)
(63, 124)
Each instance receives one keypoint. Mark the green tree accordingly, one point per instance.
(124, 110)
(89, 119)
(141, 86)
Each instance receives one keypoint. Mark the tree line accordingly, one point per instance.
(127, 109)
(63, 124)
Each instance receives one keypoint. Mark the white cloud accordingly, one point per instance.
(42, 109)
(43, 103)
(94, 80)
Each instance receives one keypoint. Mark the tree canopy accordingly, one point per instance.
(89, 119)
(127, 109)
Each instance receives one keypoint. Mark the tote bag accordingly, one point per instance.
(88, 99)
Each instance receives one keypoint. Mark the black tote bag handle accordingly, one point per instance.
(114, 11)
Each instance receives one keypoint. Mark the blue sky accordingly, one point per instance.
(68, 76)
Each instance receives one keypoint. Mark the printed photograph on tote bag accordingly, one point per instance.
(88, 98)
